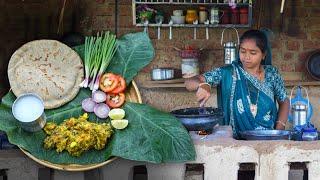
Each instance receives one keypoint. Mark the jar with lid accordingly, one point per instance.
(243, 15)
(214, 15)
(235, 16)
(189, 67)
(191, 16)
(203, 14)
(225, 19)
(309, 134)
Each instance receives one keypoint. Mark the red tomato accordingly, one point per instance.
(120, 87)
(108, 82)
(115, 100)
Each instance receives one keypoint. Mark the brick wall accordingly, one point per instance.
(296, 35)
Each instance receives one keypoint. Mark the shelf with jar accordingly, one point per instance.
(192, 13)
(179, 83)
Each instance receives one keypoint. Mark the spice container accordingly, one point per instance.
(226, 16)
(214, 15)
(309, 134)
(203, 14)
(244, 15)
(235, 16)
(191, 16)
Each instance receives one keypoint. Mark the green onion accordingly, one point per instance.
(99, 51)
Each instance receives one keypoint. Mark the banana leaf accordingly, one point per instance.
(151, 136)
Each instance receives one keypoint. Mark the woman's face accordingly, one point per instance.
(250, 54)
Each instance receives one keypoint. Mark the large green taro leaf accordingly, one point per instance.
(135, 51)
(151, 136)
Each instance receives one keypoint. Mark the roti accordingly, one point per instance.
(48, 68)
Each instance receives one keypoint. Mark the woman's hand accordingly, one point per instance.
(283, 114)
(192, 83)
(203, 93)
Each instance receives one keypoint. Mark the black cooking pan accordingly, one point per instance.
(313, 65)
(199, 119)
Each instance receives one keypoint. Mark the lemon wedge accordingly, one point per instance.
(120, 124)
(117, 113)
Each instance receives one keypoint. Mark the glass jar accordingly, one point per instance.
(191, 16)
(214, 15)
(203, 14)
(235, 16)
(226, 16)
(244, 15)
(189, 67)
(309, 134)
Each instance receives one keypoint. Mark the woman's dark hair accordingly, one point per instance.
(258, 36)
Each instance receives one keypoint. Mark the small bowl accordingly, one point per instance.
(178, 19)
(177, 12)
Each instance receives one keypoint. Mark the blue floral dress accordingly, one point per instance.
(247, 102)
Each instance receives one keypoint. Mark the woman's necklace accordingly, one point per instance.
(254, 107)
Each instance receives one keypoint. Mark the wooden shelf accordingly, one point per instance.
(179, 83)
(306, 83)
(196, 25)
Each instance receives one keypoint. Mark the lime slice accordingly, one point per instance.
(117, 113)
(120, 124)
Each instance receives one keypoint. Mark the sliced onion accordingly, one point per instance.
(88, 105)
(101, 110)
(99, 96)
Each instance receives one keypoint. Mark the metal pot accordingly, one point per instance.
(266, 135)
(313, 65)
(162, 74)
(194, 119)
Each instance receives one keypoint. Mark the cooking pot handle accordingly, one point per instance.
(228, 28)
(300, 88)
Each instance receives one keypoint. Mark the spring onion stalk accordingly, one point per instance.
(96, 61)
(89, 49)
(99, 51)
(109, 49)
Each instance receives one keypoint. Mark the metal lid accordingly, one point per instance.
(299, 106)
(230, 44)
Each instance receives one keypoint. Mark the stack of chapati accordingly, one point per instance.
(48, 68)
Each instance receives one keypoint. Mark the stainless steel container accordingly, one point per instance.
(299, 114)
(162, 74)
(230, 48)
(230, 52)
(28, 109)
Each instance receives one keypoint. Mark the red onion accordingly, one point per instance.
(101, 110)
(99, 96)
(88, 105)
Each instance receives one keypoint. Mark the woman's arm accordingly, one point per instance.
(283, 114)
(192, 84)
(203, 89)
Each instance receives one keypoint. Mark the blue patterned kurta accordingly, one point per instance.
(239, 89)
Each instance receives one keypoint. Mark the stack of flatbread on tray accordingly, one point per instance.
(48, 68)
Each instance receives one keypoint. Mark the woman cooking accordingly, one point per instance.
(250, 87)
